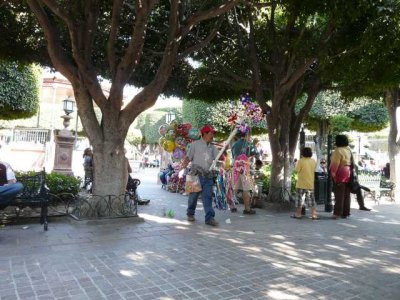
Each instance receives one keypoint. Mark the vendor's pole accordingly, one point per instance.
(233, 133)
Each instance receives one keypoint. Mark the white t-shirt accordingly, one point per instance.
(9, 172)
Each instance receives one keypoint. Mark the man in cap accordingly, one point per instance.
(202, 153)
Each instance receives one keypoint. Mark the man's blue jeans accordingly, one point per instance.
(9, 191)
(206, 193)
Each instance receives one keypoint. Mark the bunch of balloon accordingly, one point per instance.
(176, 138)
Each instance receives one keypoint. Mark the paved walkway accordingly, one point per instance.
(266, 256)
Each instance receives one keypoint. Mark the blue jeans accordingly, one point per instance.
(206, 193)
(9, 191)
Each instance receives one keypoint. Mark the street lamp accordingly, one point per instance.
(68, 105)
(170, 116)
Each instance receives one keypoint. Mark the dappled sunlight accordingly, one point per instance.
(276, 294)
(349, 225)
(252, 249)
(289, 243)
(392, 270)
(331, 263)
(235, 241)
(335, 247)
(356, 262)
(138, 256)
(310, 264)
(127, 273)
(246, 232)
(163, 220)
(282, 245)
(181, 227)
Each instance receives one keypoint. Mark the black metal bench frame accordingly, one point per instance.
(35, 194)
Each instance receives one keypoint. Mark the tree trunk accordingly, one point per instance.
(392, 104)
(279, 130)
(110, 169)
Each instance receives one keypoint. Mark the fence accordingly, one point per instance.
(35, 135)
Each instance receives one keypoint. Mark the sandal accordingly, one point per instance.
(296, 217)
(315, 218)
(249, 212)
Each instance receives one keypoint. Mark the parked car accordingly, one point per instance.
(155, 163)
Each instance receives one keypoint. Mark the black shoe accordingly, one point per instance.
(365, 208)
(303, 210)
(143, 202)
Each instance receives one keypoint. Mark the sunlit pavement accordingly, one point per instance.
(265, 256)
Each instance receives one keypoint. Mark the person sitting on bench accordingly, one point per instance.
(9, 187)
(130, 185)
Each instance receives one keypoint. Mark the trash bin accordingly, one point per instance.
(321, 188)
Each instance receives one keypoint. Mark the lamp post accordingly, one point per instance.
(170, 116)
(68, 106)
(302, 139)
(64, 142)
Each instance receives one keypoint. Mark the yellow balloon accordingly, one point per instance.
(161, 141)
(169, 146)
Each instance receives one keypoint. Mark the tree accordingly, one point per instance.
(332, 113)
(279, 53)
(136, 42)
(374, 71)
(19, 90)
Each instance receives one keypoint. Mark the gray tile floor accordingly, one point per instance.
(266, 256)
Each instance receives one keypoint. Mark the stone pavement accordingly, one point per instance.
(266, 256)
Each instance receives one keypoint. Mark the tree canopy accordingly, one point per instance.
(366, 114)
(280, 52)
(137, 42)
(19, 90)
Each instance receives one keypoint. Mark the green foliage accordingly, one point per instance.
(266, 170)
(134, 137)
(370, 117)
(149, 123)
(199, 113)
(19, 90)
(340, 124)
(361, 114)
(193, 112)
(59, 184)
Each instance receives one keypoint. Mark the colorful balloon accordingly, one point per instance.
(169, 146)
(162, 129)
(194, 134)
(178, 153)
(170, 135)
(180, 142)
(161, 141)
(173, 124)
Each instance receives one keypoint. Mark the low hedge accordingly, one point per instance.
(58, 183)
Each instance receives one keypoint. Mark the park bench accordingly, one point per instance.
(35, 194)
(378, 186)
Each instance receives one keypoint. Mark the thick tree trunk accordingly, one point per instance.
(110, 169)
(392, 104)
(279, 131)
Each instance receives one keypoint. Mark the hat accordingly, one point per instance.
(206, 129)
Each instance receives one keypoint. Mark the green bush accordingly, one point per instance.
(58, 184)
(267, 175)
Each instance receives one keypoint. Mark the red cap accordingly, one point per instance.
(207, 129)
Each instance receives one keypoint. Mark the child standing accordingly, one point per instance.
(305, 168)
